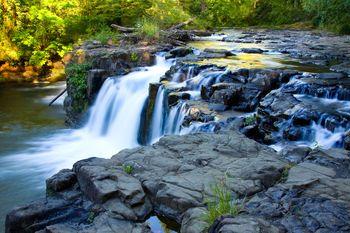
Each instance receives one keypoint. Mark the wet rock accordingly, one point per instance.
(62, 180)
(343, 67)
(206, 55)
(101, 223)
(252, 50)
(192, 221)
(242, 224)
(295, 154)
(347, 141)
(248, 99)
(180, 52)
(218, 51)
(95, 80)
(227, 97)
(196, 114)
(174, 97)
(39, 214)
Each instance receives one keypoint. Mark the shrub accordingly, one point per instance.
(76, 78)
(220, 204)
(148, 29)
(334, 15)
(105, 35)
(166, 13)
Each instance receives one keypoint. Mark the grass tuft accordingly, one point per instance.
(220, 204)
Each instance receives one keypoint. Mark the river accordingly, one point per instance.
(25, 120)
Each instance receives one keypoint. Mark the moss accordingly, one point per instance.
(77, 75)
(285, 173)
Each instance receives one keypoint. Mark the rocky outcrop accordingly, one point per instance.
(173, 178)
(169, 179)
(105, 61)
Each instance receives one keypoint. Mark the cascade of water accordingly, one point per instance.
(175, 118)
(117, 112)
(158, 116)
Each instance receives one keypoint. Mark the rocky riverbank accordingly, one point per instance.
(276, 104)
(173, 177)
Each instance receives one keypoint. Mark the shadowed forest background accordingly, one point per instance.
(37, 33)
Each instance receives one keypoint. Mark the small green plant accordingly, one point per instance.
(220, 204)
(148, 29)
(134, 57)
(91, 217)
(285, 173)
(250, 120)
(128, 168)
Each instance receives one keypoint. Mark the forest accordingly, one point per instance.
(39, 32)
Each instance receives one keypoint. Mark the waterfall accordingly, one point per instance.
(158, 116)
(175, 118)
(116, 114)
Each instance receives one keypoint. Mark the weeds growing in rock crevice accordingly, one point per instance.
(251, 120)
(128, 169)
(221, 203)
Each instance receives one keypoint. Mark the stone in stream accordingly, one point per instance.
(175, 97)
(62, 180)
(252, 50)
(179, 52)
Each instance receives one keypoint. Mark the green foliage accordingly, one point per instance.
(128, 169)
(250, 120)
(40, 31)
(220, 204)
(166, 13)
(334, 15)
(77, 74)
(134, 57)
(105, 35)
(277, 12)
(148, 29)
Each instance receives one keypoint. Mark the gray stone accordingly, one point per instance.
(62, 180)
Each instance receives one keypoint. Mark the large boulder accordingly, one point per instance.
(121, 194)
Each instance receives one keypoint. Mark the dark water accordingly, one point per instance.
(24, 118)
